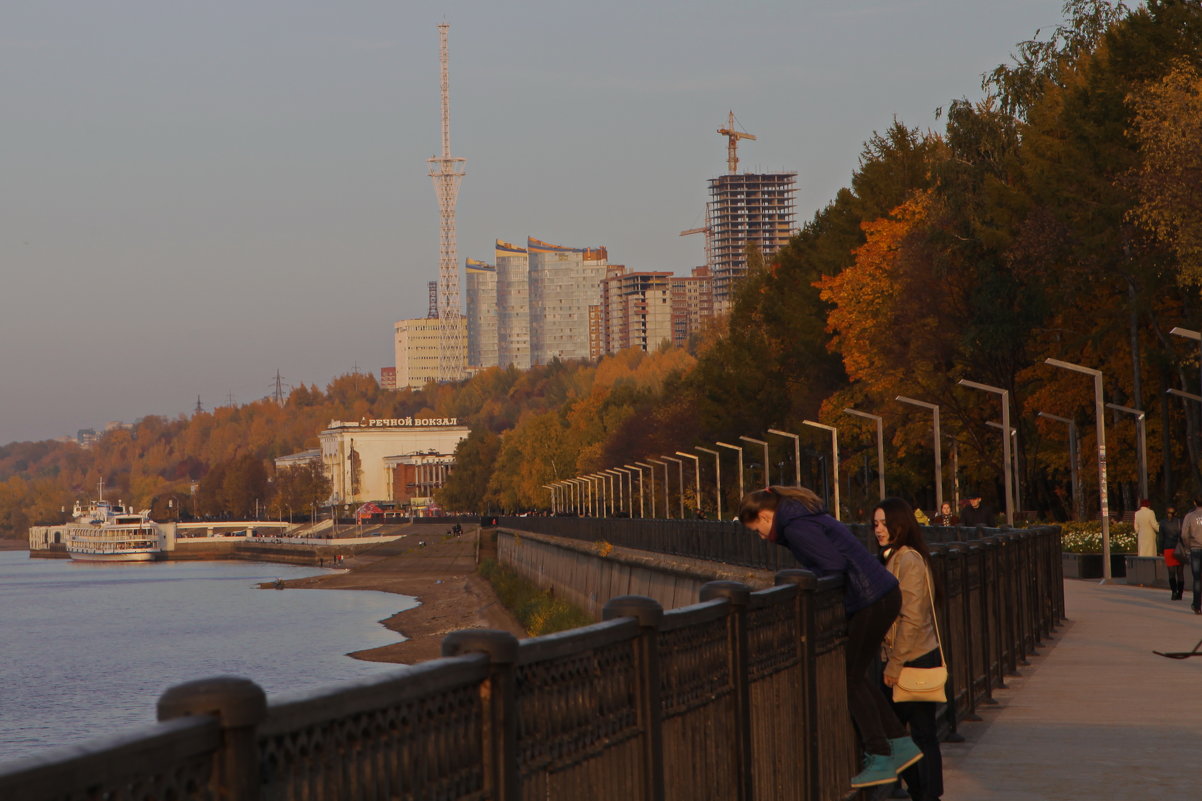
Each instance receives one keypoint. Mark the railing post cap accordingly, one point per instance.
(236, 701)
(738, 593)
(804, 579)
(646, 611)
(501, 646)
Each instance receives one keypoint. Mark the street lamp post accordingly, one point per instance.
(938, 446)
(1103, 493)
(1141, 443)
(834, 458)
(796, 453)
(614, 473)
(717, 478)
(696, 474)
(1018, 498)
(680, 480)
(603, 495)
(880, 444)
(667, 488)
(1074, 458)
(650, 475)
(1008, 482)
(742, 486)
(638, 470)
(767, 469)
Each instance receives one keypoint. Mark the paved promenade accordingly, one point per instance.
(1096, 715)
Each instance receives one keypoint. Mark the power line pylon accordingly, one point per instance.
(447, 172)
(733, 135)
(277, 394)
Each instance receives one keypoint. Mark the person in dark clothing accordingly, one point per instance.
(976, 513)
(1170, 533)
(793, 518)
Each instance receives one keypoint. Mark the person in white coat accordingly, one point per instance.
(1146, 528)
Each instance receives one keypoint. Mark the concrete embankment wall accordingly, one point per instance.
(589, 574)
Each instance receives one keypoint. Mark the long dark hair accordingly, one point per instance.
(903, 528)
(769, 498)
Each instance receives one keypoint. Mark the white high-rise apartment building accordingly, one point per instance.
(565, 283)
(513, 305)
(481, 314)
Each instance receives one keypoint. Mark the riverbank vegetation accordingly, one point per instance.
(1056, 217)
(538, 610)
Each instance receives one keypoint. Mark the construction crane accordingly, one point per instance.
(705, 230)
(732, 147)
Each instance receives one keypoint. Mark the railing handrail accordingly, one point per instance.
(760, 670)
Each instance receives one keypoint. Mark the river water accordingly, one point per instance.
(86, 648)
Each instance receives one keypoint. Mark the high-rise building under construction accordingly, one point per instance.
(747, 209)
(744, 209)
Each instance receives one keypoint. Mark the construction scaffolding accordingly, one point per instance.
(746, 209)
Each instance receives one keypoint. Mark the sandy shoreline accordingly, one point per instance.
(441, 575)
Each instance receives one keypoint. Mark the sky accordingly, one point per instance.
(196, 195)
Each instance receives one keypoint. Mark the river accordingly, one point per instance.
(88, 648)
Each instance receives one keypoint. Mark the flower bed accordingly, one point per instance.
(1086, 537)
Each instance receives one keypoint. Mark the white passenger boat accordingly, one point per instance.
(108, 532)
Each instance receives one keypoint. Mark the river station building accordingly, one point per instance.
(399, 460)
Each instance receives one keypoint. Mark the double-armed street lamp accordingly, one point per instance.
(938, 446)
(834, 458)
(1008, 481)
(696, 475)
(880, 444)
(1103, 493)
(1141, 443)
(742, 486)
(796, 453)
(1074, 458)
(767, 469)
(717, 478)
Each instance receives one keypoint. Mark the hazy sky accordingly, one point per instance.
(196, 194)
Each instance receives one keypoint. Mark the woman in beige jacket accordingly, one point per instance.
(912, 640)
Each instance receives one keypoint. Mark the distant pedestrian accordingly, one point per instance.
(945, 516)
(1170, 534)
(976, 513)
(1146, 528)
(793, 517)
(1191, 535)
(912, 641)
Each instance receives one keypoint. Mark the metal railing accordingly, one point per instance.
(741, 696)
(1003, 588)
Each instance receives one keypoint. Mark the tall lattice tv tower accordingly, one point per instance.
(447, 171)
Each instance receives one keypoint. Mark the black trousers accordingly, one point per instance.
(870, 711)
(923, 779)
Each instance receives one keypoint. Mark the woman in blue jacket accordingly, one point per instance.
(793, 517)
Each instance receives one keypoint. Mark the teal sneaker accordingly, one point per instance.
(905, 753)
(878, 769)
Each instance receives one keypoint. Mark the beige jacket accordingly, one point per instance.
(1146, 528)
(913, 633)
